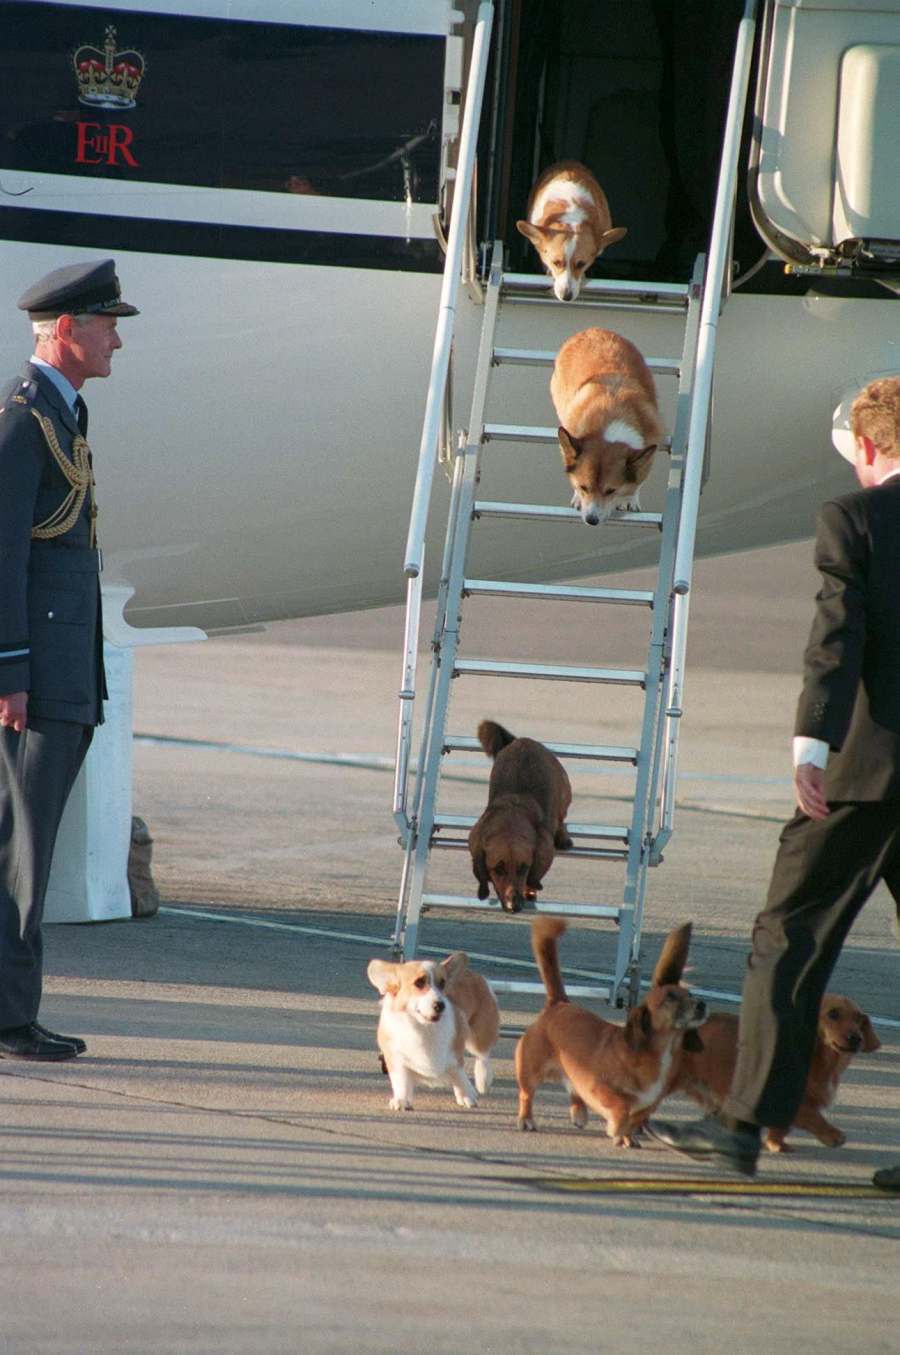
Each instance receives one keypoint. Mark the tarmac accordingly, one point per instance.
(220, 1174)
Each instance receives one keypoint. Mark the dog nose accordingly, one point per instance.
(854, 1040)
(591, 519)
(438, 1007)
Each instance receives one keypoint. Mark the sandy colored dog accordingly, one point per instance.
(514, 841)
(705, 1074)
(569, 224)
(609, 425)
(430, 1014)
(621, 1072)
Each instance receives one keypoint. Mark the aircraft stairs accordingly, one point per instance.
(639, 842)
(636, 843)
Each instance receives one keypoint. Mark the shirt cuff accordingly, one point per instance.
(810, 750)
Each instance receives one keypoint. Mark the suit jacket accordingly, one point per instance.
(51, 634)
(851, 689)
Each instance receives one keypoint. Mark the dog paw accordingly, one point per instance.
(527, 1125)
(400, 1103)
(626, 1141)
(834, 1138)
(579, 1116)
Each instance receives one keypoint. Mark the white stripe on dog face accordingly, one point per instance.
(620, 431)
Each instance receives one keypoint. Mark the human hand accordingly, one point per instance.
(14, 711)
(809, 790)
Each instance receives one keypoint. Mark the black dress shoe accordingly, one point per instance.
(888, 1178)
(708, 1140)
(74, 1040)
(27, 1042)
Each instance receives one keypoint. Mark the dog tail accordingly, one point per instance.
(493, 737)
(544, 934)
(673, 957)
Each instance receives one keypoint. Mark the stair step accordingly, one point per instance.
(546, 357)
(604, 292)
(628, 597)
(461, 844)
(572, 989)
(486, 508)
(515, 432)
(594, 832)
(550, 672)
(552, 906)
(459, 743)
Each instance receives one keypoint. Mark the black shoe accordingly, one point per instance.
(708, 1140)
(27, 1042)
(74, 1040)
(888, 1178)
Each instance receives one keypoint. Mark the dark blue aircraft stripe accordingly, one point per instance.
(210, 240)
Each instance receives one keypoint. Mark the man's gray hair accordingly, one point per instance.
(45, 330)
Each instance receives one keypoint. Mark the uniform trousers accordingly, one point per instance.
(824, 872)
(38, 768)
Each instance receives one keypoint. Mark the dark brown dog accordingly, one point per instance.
(621, 1072)
(514, 841)
(705, 1075)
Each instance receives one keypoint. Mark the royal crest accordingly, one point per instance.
(108, 78)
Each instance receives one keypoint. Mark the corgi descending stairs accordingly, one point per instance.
(637, 844)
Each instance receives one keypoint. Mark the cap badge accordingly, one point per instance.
(108, 78)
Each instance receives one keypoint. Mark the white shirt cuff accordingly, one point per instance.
(810, 750)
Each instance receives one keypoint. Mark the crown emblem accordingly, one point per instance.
(108, 78)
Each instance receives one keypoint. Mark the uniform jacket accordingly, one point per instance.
(50, 619)
(851, 689)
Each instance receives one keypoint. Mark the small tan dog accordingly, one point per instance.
(569, 224)
(705, 1075)
(621, 1072)
(430, 1014)
(516, 838)
(609, 425)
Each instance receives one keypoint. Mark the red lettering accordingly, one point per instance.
(120, 138)
(85, 143)
(97, 143)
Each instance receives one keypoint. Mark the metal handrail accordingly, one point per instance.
(415, 541)
(713, 292)
(435, 406)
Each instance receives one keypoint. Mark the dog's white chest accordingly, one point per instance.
(651, 1094)
(425, 1047)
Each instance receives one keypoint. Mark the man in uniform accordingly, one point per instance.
(845, 836)
(51, 643)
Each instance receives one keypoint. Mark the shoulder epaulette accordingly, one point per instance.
(24, 393)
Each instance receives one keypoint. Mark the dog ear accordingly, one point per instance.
(569, 449)
(533, 233)
(610, 237)
(479, 870)
(672, 960)
(870, 1040)
(383, 976)
(638, 459)
(692, 1042)
(455, 964)
(638, 1029)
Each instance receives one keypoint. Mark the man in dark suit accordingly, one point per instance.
(51, 657)
(845, 837)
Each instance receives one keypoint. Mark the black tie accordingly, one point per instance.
(81, 415)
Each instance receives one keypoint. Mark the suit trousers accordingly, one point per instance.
(824, 872)
(38, 768)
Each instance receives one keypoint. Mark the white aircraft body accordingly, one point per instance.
(265, 173)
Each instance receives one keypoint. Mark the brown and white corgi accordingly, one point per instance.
(431, 1013)
(569, 224)
(609, 424)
